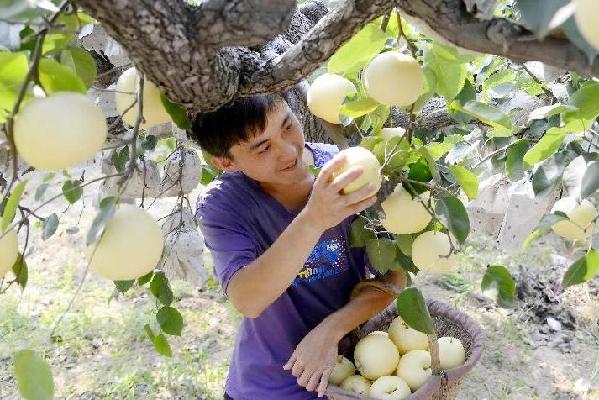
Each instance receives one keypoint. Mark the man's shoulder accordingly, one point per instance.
(323, 152)
(222, 194)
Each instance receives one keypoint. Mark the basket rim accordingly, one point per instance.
(447, 377)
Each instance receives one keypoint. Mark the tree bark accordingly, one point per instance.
(205, 56)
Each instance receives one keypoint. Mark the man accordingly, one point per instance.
(279, 239)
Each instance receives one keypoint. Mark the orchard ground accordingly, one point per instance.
(100, 350)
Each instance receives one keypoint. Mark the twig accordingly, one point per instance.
(385, 22)
(33, 65)
(411, 47)
(138, 121)
(425, 184)
(491, 155)
(11, 227)
(541, 83)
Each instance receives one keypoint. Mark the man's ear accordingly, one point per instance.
(224, 163)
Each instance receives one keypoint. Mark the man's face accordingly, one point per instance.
(274, 156)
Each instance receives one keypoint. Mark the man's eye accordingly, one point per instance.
(264, 150)
(288, 127)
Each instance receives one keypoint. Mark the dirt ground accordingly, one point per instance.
(547, 347)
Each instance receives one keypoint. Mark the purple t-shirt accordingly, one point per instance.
(240, 221)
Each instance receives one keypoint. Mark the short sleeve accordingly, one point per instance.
(231, 245)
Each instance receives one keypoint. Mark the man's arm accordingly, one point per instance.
(253, 288)
(368, 302)
(314, 358)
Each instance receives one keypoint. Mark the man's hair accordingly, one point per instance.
(216, 132)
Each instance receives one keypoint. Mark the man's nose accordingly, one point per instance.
(288, 152)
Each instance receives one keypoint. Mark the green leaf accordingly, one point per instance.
(50, 226)
(55, 42)
(358, 51)
(450, 72)
(356, 109)
(420, 171)
(55, 77)
(549, 111)
(124, 286)
(75, 21)
(13, 68)
(499, 78)
(177, 112)
(40, 191)
(314, 170)
(583, 270)
(381, 253)
(467, 180)
(145, 279)
(208, 175)
(170, 320)
(149, 332)
(161, 288)
(454, 216)
(72, 191)
(107, 209)
(10, 209)
(159, 341)
(570, 28)
(467, 94)
(538, 18)
(82, 63)
(21, 271)
(514, 165)
(499, 284)
(33, 374)
(489, 115)
(406, 263)
(404, 243)
(550, 172)
(119, 158)
(590, 180)
(374, 121)
(359, 235)
(161, 345)
(545, 147)
(412, 309)
(586, 100)
(543, 227)
(149, 143)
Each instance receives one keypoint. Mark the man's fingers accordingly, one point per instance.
(314, 381)
(346, 178)
(362, 205)
(324, 381)
(297, 369)
(290, 362)
(360, 194)
(326, 173)
(304, 379)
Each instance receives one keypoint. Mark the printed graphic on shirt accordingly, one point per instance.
(328, 258)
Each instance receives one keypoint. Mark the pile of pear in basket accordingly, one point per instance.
(388, 360)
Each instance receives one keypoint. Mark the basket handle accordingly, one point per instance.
(433, 345)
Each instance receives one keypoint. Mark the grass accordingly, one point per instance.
(100, 351)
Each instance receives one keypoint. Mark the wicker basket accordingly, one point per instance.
(448, 322)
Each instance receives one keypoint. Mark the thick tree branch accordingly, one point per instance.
(222, 23)
(497, 36)
(316, 47)
(189, 51)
